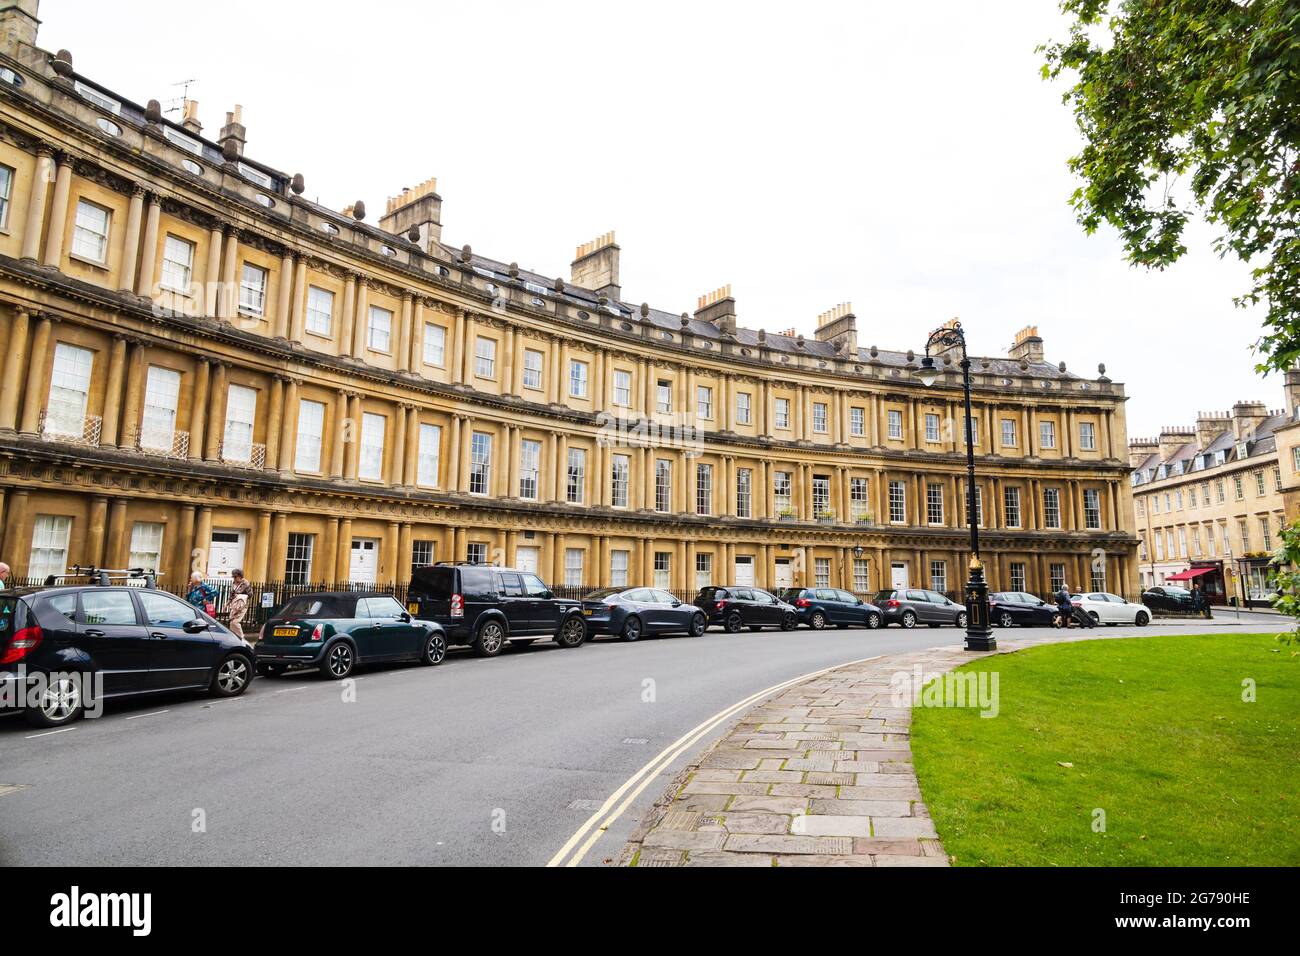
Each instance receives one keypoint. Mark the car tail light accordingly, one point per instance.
(893, 603)
(458, 605)
(318, 632)
(803, 602)
(24, 642)
(721, 604)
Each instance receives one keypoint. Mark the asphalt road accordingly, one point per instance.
(482, 762)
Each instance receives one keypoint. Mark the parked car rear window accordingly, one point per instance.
(884, 596)
(712, 594)
(8, 612)
(435, 582)
(603, 593)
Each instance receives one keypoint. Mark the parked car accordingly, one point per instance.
(735, 607)
(334, 631)
(912, 606)
(76, 644)
(1169, 597)
(823, 607)
(485, 606)
(1021, 609)
(632, 613)
(1105, 608)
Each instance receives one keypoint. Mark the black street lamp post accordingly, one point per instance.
(979, 635)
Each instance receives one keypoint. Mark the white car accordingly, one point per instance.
(1106, 608)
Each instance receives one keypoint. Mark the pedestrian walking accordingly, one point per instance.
(1201, 601)
(201, 595)
(241, 595)
(1064, 605)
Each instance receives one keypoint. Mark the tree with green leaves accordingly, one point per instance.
(1192, 108)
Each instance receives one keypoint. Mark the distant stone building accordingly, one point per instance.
(1209, 499)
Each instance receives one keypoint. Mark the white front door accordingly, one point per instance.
(784, 573)
(745, 572)
(898, 576)
(526, 559)
(364, 564)
(225, 553)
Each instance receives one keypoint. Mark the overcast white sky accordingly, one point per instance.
(904, 157)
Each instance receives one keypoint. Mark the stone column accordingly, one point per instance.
(453, 453)
(470, 343)
(389, 572)
(361, 321)
(212, 294)
(113, 392)
(115, 555)
(343, 557)
(131, 240)
(455, 361)
(42, 176)
(216, 414)
(404, 554)
(346, 317)
(410, 476)
(198, 408)
(229, 299)
(415, 358)
(274, 424)
(283, 298)
(397, 463)
(338, 444)
(352, 452)
(95, 530)
(132, 404)
(149, 255)
(329, 552)
(289, 431)
(466, 438)
(404, 343)
(298, 310)
(184, 545)
(15, 355)
(259, 567)
(278, 553)
(59, 213)
(511, 469)
(36, 378)
(562, 468)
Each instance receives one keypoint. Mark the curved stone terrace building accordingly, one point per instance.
(202, 369)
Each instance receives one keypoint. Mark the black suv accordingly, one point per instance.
(485, 606)
(820, 608)
(736, 608)
(1169, 598)
(72, 645)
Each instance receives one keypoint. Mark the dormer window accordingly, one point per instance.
(99, 99)
(1243, 450)
(177, 138)
(255, 176)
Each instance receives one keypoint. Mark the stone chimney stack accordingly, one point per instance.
(18, 22)
(190, 117)
(1140, 449)
(595, 267)
(1246, 417)
(1028, 345)
(718, 308)
(419, 208)
(839, 325)
(1172, 439)
(1210, 425)
(234, 132)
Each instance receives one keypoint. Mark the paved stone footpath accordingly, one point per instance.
(819, 775)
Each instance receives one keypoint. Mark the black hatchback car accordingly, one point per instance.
(1022, 609)
(1168, 597)
(820, 608)
(631, 613)
(333, 631)
(485, 606)
(64, 648)
(736, 607)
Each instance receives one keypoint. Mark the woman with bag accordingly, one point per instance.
(240, 596)
(201, 596)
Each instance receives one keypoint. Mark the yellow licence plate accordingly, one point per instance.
(413, 608)
(588, 611)
(286, 632)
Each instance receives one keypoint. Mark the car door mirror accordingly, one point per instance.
(194, 626)
(676, 603)
(404, 618)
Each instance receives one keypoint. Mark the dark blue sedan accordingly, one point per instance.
(631, 613)
(820, 608)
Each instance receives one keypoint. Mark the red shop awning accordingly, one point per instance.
(1189, 574)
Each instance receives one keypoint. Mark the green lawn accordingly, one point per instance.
(1159, 738)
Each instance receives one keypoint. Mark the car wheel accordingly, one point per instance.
(490, 639)
(338, 661)
(232, 677)
(1142, 619)
(61, 703)
(961, 621)
(873, 622)
(1096, 618)
(790, 621)
(572, 632)
(697, 625)
(1005, 619)
(435, 648)
(909, 619)
(734, 623)
(817, 620)
(631, 629)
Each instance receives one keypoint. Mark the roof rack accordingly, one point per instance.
(105, 577)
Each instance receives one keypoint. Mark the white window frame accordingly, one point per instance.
(485, 357)
(578, 378)
(158, 416)
(530, 461)
(434, 348)
(146, 547)
(379, 329)
(308, 442)
(241, 417)
(252, 289)
(480, 463)
(177, 264)
(575, 476)
(320, 311)
(370, 459)
(91, 227)
(69, 394)
(429, 456)
(49, 552)
(622, 388)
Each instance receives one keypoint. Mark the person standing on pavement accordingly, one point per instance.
(240, 597)
(201, 595)
(1064, 605)
(4, 575)
(1200, 601)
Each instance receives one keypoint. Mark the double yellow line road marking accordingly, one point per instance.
(598, 824)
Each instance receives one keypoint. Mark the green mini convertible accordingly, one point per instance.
(334, 631)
